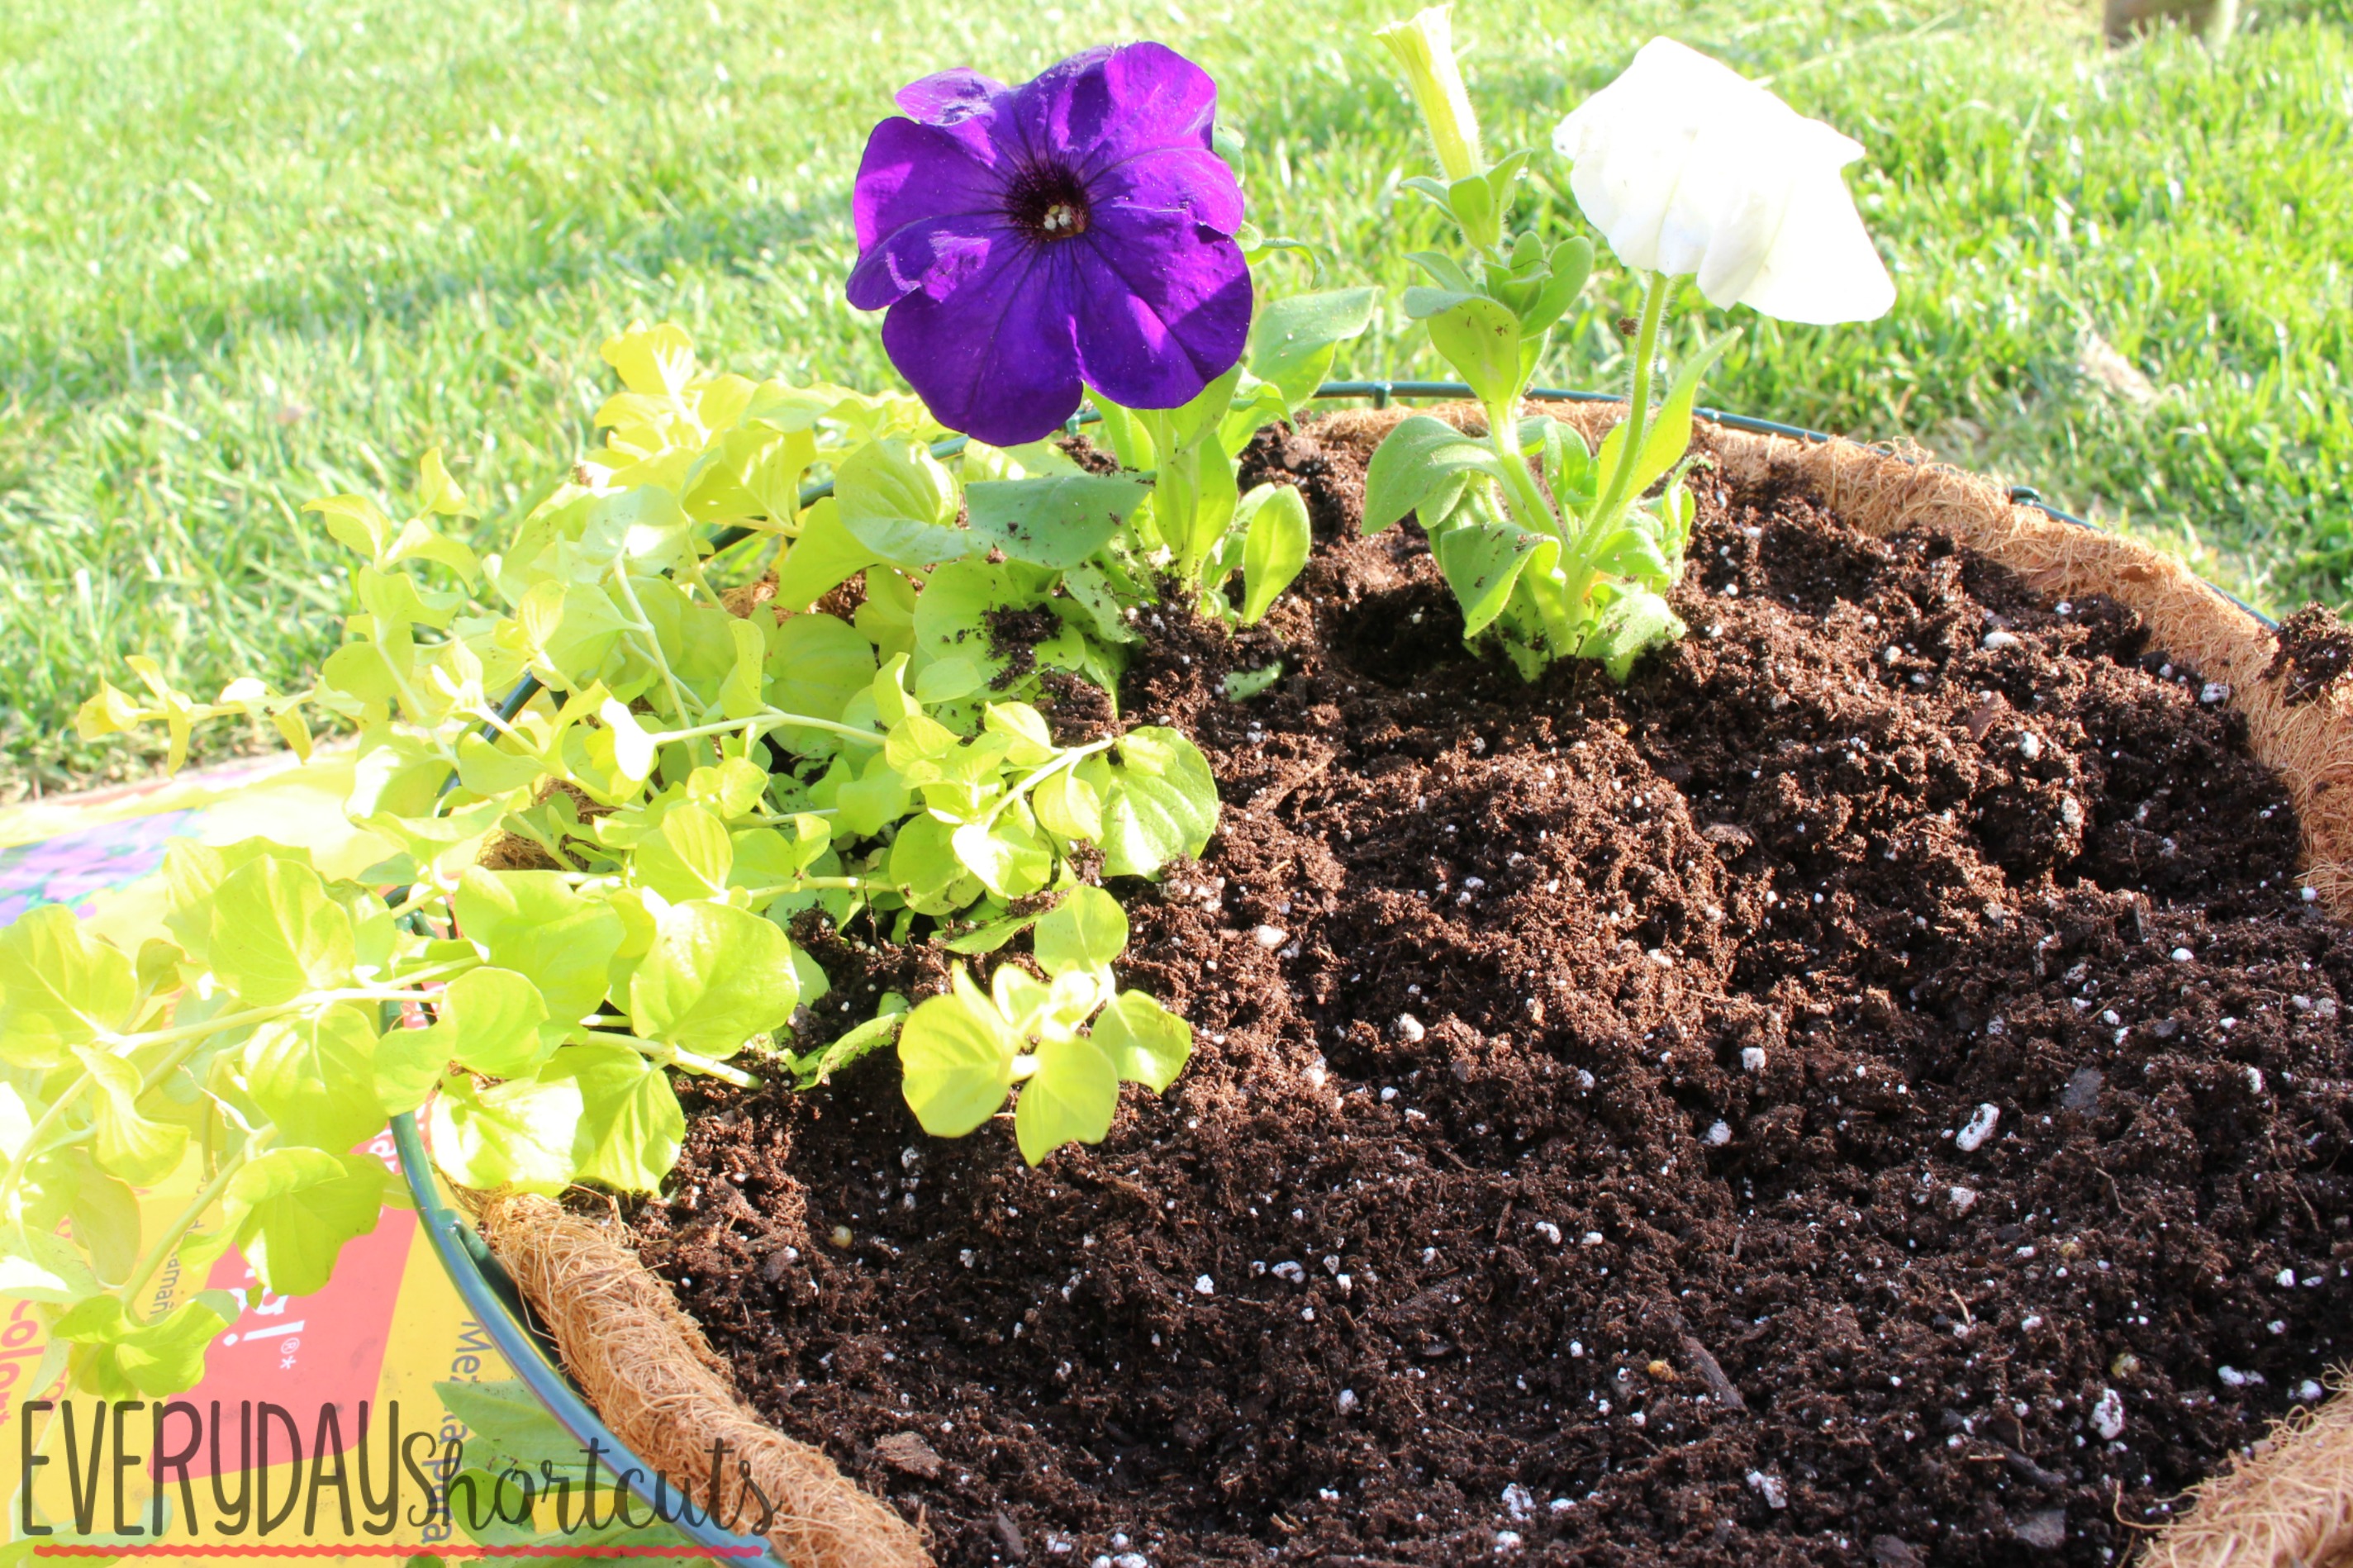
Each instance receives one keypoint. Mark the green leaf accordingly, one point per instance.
(714, 977)
(1275, 548)
(1569, 467)
(1421, 303)
(953, 611)
(1241, 685)
(927, 870)
(277, 934)
(633, 747)
(955, 1057)
(495, 1022)
(1424, 459)
(60, 987)
(507, 1419)
(945, 679)
(1259, 402)
(437, 492)
(356, 522)
(154, 1359)
(1296, 338)
(816, 664)
(877, 797)
(519, 1133)
(1483, 562)
(486, 769)
(1480, 339)
(408, 1065)
(1570, 264)
(740, 692)
(731, 789)
(1130, 442)
(689, 856)
(1082, 933)
(1146, 1043)
(570, 629)
(292, 1209)
(1162, 803)
(1472, 201)
(1068, 807)
(1007, 857)
(315, 1077)
(767, 857)
(900, 502)
(1443, 270)
(1192, 421)
(1213, 505)
(419, 541)
(990, 935)
(1070, 1099)
(1633, 551)
(816, 1067)
(36, 1266)
(1632, 625)
(642, 526)
(1032, 743)
(130, 1144)
(533, 923)
(1056, 521)
(824, 557)
(103, 1210)
(1092, 593)
(631, 1127)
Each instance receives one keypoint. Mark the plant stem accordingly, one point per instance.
(653, 644)
(1638, 410)
(187, 1036)
(689, 1061)
(1040, 775)
(769, 716)
(1519, 490)
(153, 1260)
(807, 884)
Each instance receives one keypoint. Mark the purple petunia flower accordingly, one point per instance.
(1077, 229)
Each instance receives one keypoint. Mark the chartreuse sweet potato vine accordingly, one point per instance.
(689, 781)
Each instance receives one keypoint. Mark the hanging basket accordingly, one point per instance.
(605, 1346)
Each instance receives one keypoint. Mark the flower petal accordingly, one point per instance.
(994, 358)
(1098, 108)
(949, 97)
(1687, 167)
(931, 257)
(1821, 266)
(1162, 306)
(1188, 179)
(914, 182)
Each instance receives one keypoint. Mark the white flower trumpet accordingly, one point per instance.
(1688, 168)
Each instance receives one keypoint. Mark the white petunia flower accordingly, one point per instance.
(1689, 168)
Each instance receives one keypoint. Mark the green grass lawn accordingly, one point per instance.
(253, 251)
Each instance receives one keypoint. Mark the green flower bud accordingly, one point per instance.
(1425, 47)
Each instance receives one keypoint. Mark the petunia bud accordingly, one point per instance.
(1689, 168)
(1425, 47)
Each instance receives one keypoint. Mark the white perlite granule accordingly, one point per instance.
(1981, 1127)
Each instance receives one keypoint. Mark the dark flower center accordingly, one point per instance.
(1048, 203)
